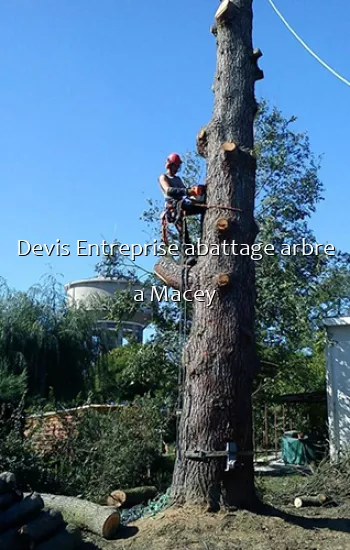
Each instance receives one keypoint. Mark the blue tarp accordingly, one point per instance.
(297, 451)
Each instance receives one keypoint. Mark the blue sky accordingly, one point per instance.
(94, 95)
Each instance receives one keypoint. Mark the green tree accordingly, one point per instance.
(51, 342)
(294, 293)
(137, 370)
(12, 386)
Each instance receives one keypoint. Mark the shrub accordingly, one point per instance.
(98, 453)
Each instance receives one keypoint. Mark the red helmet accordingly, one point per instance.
(174, 158)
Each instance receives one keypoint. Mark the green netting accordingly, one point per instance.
(297, 451)
(153, 507)
(157, 505)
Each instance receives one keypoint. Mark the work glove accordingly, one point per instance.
(176, 192)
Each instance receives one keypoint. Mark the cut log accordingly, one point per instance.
(306, 500)
(101, 520)
(68, 539)
(8, 499)
(11, 541)
(171, 273)
(45, 525)
(21, 512)
(7, 482)
(128, 498)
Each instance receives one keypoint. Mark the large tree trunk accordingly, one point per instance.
(220, 357)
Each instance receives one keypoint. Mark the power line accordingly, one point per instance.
(306, 46)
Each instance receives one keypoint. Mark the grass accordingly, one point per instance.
(280, 490)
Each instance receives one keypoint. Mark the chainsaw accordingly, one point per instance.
(198, 194)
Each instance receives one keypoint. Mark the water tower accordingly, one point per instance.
(89, 291)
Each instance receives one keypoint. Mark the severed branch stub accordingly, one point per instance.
(226, 11)
(214, 30)
(202, 142)
(257, 53)
(223, 279)
(259, 74)
(222, 224)
(229, 149)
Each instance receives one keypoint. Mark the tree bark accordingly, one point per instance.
(220, 357)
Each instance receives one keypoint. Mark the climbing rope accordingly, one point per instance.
(308, 49)
(182, 335)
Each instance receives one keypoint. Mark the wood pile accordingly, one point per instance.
(25, 525)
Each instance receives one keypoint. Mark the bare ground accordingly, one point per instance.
(283, 528)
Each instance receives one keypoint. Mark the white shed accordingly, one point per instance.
(338, 384)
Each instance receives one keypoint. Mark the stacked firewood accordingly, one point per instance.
(25, 525)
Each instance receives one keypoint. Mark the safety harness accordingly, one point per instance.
(175, 211)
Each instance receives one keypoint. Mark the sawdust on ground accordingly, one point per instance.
(188, 528)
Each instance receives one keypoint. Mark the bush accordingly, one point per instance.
(16, 453)
(42, 336)
(12, 386)
(100, 452)
(332, 479)
(136, 370)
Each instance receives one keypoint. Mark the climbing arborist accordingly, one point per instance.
(180, 201)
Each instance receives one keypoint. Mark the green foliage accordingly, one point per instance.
(12, 386)
(288, 188)
(114, 264)
(102, 452)
(16, 453)
(137, 370)
(122, 307)
(294, 293)
(109, 451)
(331, 479)
(41, 335)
